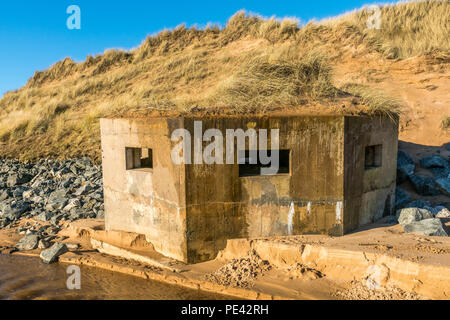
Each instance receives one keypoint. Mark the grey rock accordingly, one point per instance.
(90, 204)
(74, 169)
(66, 183)
(56, 218)
(427, 227)
(16, 210)
(37, 199)
(28, 194)
(16, 179)
(56, 204)
(73, 203)
(100, 214)
(44, 216)
(97, 195)
(52, 254)
(443, 213)
(4, 194)
(409, 215)
(76, 213)
(58, 194)
(29, 242)
(30, 231)
(443, 185)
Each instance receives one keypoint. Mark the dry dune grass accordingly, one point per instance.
(252, 64)
(407, 28)
(263, 84)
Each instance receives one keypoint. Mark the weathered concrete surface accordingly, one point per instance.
(189, 211)
(369, 194)
(149, 202)
(107, 248)
(222, 205)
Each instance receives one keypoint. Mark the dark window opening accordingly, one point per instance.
(137, 158)
(373, 157)
(253, 166)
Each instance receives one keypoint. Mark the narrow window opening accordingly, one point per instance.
(139, 158)
(373, 156)
(253, 166)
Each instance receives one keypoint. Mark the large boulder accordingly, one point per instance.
(405, 166)
(29, 242)
(52, 254)
(427, 227)
(443, 185)
(44, 216)
(15, 210)
(443, 213)
(424, 186)
(409, 215)
(401, 198)
(56, 204)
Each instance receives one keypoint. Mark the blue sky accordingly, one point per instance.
(34, 35)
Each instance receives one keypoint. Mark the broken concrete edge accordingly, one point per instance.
(431, 281)
(176, 279)
(111, 250)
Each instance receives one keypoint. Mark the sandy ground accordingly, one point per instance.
(421, 84)
(298, 267)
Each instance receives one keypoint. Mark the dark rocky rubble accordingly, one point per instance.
(50, 190)
(420, 216)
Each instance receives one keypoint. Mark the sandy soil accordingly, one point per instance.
(421, 83)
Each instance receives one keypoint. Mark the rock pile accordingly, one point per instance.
(420, 216)
(437, 183)
(50, 190)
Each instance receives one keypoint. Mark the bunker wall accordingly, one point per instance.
(222, 205)
(148, 201)
(369, 187)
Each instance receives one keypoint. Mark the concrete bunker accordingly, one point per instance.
(335, 174)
